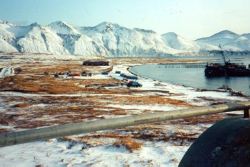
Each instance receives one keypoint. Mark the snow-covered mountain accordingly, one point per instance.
(228, 40)
(180, 43)
(107, 39)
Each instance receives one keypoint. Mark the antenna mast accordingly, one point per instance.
(223, 56)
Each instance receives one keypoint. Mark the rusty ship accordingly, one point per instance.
(227, 68)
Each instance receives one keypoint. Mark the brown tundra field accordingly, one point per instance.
(38, 90)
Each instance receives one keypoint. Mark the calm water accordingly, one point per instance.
(194, 77)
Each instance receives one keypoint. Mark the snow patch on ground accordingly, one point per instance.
(5, 72)
(64, 153)
(148, 107)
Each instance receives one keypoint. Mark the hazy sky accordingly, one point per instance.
(189, 18)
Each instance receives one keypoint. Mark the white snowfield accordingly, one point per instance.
(54, 153)
(109, 39)
(7, 71)
(59, 153)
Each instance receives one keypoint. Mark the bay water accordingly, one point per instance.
(194, 77)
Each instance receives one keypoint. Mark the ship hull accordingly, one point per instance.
(224, 71)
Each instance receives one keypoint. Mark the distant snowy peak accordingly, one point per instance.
(105, 26)
(228, 40)
(171, 35)
(35, 25)
(144, 31)
(180, 43)
(175, 41)
(122, 41)
(171, 38)
(62, 27)
(225, 34)
(101, 28)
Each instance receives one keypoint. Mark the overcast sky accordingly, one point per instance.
(189, 18)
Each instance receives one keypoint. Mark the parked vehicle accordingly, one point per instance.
(105, 73)
(133, 84)
(129, 76)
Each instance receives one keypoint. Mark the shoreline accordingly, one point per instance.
(219, 89)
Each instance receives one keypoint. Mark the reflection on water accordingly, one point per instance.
(193, 77)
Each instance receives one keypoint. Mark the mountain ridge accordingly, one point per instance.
(110, 39)
(228, 40)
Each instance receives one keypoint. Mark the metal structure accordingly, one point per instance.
(182, 65)
(14, 138)
(227, 69)
(224, 56)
